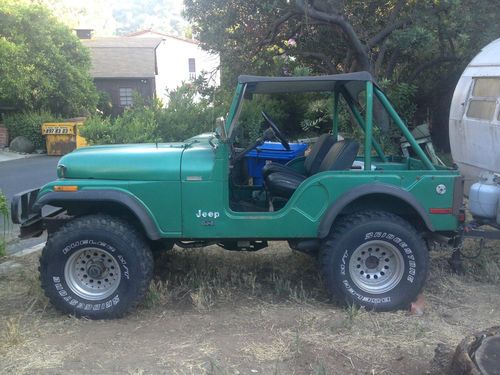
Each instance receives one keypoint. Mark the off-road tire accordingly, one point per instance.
(105, 250)
(374, 259)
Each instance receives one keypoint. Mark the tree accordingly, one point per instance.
(42, 64)
(423, 45)
(159, 15)
(343, 36)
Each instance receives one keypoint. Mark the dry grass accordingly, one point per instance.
(208, 277)
(11, 333)
(210, 311)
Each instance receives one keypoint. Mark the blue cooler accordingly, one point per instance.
(271, 151)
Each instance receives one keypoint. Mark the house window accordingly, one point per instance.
(192, 68)
(126, 99)
(483, 100)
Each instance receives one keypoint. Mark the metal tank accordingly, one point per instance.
(475, 116)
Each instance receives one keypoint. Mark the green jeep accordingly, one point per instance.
(365, 214)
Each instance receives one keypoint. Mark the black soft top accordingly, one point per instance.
(268, 85)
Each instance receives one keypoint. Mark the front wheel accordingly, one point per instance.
(96, 266)
(374, 259)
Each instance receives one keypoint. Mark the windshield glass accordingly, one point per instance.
(298, 115)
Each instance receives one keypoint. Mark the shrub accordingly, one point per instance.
(138, 124)
(98, 130)
(29, 125)
(251, 120)
(188, 113)
(4, 215)
(104, 103)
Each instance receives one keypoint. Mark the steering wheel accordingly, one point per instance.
(276, 131)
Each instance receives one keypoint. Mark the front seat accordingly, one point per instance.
(340, 157)
(311, 162)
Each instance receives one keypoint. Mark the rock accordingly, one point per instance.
(440, 364)
(9, 265)
(470, 352)
(417, 307)
(22, 144)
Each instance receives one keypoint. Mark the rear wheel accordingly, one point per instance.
(374, 259)
(96, 266)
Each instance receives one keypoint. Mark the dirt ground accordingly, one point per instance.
(211, 311)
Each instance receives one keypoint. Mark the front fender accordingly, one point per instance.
(128, 201)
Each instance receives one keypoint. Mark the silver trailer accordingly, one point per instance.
(475, 116)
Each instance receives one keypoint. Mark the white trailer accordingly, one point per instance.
(474, 126)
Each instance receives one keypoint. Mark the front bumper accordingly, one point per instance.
(28, 215)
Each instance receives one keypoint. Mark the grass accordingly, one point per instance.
(210, 311)
(205, 278)
(11, 333)
(3, 248)
(4, 220)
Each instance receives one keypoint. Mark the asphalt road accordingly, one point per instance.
(27, 173)
(20, 175)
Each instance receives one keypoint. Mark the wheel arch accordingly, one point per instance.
(376, 196)
(104, 201)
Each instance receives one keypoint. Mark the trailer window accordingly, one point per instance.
(487, 87)
(481, 109)
(482, 103)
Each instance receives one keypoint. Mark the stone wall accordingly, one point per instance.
(4, 136)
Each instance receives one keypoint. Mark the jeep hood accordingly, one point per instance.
(145, 162)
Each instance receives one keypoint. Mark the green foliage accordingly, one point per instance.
(159, 15)
(121, 16)
(4, 214)
(99, 130)
(190, 111)
(251, 122)
(104, 103)
(419, 47)
(29, 125)
(319, 116)
(42, 64)
(138, 124)
(402, 97)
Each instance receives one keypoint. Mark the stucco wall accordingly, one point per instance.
(172, 60)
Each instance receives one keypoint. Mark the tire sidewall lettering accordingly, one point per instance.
(88, 243)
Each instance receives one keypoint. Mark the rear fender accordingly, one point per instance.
(361, 191)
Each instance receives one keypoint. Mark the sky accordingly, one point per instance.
(116, 17)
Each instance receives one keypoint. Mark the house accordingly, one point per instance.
(183, 59)
(147, 62)
(123, 65)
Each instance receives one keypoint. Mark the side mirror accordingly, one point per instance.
(220, 128)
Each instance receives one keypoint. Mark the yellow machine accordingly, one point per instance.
(63, 137)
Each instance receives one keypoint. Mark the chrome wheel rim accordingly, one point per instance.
(92, 273)
(376, 267)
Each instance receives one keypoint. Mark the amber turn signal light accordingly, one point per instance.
(65, 188)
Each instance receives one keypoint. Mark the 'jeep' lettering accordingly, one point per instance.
(211, 214)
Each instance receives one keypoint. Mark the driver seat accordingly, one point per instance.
(312, 161)
(340, 157)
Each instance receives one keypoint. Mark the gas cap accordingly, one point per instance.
(441, 189)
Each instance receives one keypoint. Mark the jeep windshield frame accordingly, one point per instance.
(348, 86)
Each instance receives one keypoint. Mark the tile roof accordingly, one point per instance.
(150, 31)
